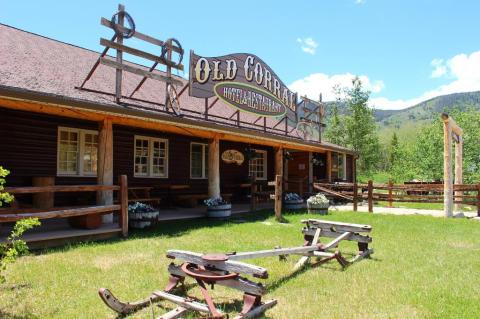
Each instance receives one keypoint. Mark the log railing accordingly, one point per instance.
(465, 194)
(15, 214)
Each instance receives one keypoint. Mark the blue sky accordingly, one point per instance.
(405, 51)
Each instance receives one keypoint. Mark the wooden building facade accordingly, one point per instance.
(53, 127)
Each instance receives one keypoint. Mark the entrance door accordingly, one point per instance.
(298, 172)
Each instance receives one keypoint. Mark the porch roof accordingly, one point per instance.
(39, 69)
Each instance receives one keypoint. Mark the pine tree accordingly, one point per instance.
(361, 129)
(393, 150)
(335, 131)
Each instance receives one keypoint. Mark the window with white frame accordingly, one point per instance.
(151, 157)
(198, 160)
(257, 167)
(77, 152)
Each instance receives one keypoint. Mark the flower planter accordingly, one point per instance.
(321, 209)
(219, 211)
(295, 204)
(141, 220)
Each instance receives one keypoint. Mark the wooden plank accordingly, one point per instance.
(232, 266)
(331, 234)
(123, 197)
(182, 302)
(61, 213)
(258, 310)
(139, 53)
(273, 252)
(370, 196)
(178, 312)
(139, 35)
(331, 192)
(131, 69)
(59, 188)
(339, 226)
(303, 260)
(355, 197)
(334, 243)
(240, 283)
(278, 196)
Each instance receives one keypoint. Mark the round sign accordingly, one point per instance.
(233, 156)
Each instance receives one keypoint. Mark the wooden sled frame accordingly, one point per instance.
(227, 270)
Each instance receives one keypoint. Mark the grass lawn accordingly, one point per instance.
(423, 267)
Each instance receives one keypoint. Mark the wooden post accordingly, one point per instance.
(43, 200)
(119, 58)
(459, 169)
(278, 197)
(370, 196)
(355, 196)
(329, 166)
(105, 165)
(253, 191)
(447, 170)
(390, 195)
(478, 200)
(123, 200)
(214, 168)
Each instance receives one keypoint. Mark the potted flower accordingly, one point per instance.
(217, 207)
(141, 215)
(318, 204)
(293, 201)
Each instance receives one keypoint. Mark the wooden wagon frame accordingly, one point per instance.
(228, 270)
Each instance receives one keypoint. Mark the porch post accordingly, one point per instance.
(214, 168)
(459, 170)
(105, 165)
(279, 161)
(279, 178)
(329, 166)
(447, 169)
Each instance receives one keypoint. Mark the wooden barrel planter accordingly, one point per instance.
(296, 204)
(320, 209)
(143, 220)
(219, 211)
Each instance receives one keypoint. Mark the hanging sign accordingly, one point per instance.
(233, 156)
(242, 81)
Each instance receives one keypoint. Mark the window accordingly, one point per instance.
(151, 157)
(77, 152)
(198, 160)
(257, 167)
(338, 165)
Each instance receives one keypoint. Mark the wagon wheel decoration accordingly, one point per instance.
(127, 31)
(168, 47)
(305, 130)
(173, 100)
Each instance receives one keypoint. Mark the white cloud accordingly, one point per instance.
(360, 1)
(308, 45)
(317, 83)
(440, 68)
(462, 71)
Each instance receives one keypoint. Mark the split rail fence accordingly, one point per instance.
(463, 194)
(14, 214)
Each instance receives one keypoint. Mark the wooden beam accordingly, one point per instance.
(139, 53)
(447, 168)
(119, 56)
(60, 213)
(105, 165)
(329, 166)
(59, 188)
(459, 169)
(183, 302)
(278, 196)
(239, 283)
(338, 226)
(229, 265)
(214, 168)
(123, 199)
(107, 23)
(138, 71)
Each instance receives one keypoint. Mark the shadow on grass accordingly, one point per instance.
(173, 228)
(4, 314)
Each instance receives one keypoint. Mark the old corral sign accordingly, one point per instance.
(233, 156)
(243, 81)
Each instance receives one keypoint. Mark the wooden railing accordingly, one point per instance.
(15, 214)
(465, 194)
